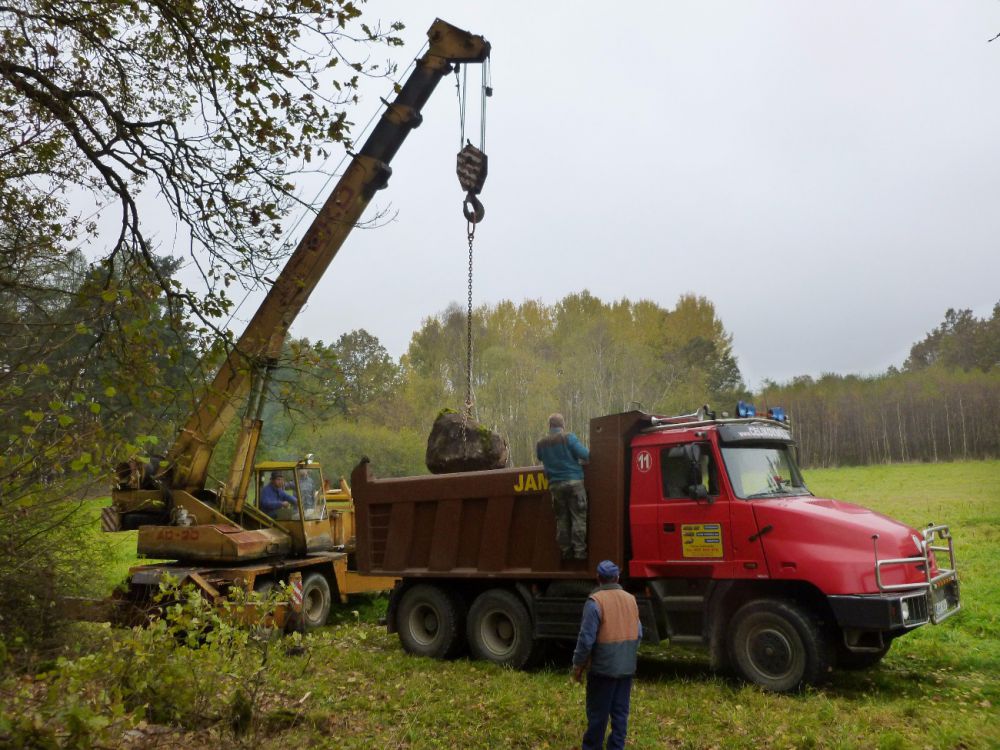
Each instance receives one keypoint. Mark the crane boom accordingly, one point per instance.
(261, 342)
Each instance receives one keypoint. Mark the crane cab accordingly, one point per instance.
(316, 517)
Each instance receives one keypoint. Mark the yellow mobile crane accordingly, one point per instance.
(218, 537)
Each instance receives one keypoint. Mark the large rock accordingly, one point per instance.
(463, 445)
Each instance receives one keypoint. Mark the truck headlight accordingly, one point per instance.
(904, 610)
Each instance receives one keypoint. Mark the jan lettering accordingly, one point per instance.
(531, 483)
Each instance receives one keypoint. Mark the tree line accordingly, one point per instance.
(586, 357)
(581, 356)
(941, 406)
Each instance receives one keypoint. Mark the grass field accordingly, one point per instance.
(351, 686)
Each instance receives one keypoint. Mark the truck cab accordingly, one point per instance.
(723, 529)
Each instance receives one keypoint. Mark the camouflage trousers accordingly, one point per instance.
(569, 502)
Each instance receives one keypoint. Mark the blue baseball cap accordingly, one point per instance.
(607, 569)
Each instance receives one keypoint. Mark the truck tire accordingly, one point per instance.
(316, 600)
(431, 622)
(500, 631)
(778, 645)
(856, 660)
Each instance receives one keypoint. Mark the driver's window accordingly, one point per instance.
(677, 472)
(309, 483)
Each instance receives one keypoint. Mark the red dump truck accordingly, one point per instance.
(714, 529)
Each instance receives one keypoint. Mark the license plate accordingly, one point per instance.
(940, 607)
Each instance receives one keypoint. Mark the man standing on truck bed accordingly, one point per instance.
(561, 453)
(609, 639)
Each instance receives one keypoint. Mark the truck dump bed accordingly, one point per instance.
(496, 524)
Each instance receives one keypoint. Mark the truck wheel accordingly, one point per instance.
(315, 601)
(500, 630)
(430, 622)
(855, 660)
(778, 645)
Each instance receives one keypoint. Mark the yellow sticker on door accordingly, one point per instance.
(701, 539)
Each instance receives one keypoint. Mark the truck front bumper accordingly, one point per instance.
(901, 607)
(898, 611)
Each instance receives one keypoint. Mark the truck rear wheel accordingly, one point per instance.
(431, 622)
(315, 601)
(500, 630)
(778, 645)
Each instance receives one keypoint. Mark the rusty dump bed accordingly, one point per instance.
(496, 524)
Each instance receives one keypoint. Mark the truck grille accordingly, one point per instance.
(914, 610)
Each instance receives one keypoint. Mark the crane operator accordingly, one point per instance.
(273, 497)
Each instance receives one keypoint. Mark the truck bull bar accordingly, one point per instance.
(936, 598)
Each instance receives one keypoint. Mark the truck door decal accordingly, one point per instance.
(701, 539)
(643, 461)
(531, 482)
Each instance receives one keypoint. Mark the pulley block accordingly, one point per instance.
(472, 168)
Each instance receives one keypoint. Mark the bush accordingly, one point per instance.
(43, 551)
(192, 668)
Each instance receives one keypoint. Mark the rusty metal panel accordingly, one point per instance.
(473, 524)
(523, 524)
(209, 542)
(607, 485)
(494, 543)
(401, 531)
(422, 538)
(446, 533)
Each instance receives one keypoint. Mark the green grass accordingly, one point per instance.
(937, 688)
(353, 687)
(116, 551)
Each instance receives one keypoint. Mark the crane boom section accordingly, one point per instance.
(264, 336)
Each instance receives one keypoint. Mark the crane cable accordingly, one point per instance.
(472, 168)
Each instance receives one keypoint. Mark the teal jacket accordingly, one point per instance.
(561, 453)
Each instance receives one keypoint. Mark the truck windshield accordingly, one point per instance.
(757, 471)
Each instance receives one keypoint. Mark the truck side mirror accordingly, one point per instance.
(700, 492)
(696, 490)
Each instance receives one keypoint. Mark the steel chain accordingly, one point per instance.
(469, 402)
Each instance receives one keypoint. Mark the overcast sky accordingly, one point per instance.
(827, 174)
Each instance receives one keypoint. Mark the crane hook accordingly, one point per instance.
(473, 209)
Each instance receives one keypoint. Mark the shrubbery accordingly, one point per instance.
(195, 667)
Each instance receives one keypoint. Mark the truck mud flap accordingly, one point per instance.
(559, 618)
